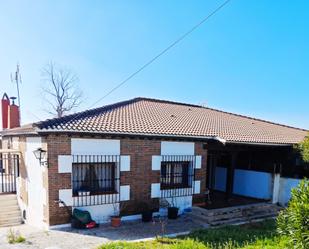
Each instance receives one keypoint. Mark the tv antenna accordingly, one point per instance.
(16, 78)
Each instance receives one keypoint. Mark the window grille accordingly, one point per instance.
(95, 180)
(177, 176)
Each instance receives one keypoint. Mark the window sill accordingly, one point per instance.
(96, 193)
(174, 187)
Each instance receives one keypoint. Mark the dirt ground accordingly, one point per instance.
(71, 238)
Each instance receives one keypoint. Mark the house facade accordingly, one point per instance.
(140, 152)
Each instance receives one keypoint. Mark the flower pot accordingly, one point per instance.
(172, 213)
(147, 216)
(116, 221)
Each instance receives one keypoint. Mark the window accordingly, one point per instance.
(175, 174)
(94, 178)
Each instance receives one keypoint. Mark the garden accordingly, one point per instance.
(290, 230)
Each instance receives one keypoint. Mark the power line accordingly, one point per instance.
(158, 55)
(162, 52)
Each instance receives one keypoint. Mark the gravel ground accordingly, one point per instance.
(82, 239)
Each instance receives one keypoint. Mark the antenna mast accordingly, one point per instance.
(17, 80)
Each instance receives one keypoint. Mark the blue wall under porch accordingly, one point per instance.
(246, 183)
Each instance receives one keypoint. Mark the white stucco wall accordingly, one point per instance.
(286, 185)
(177, 148)
(102, 213)
(36, 192)
(85, 146)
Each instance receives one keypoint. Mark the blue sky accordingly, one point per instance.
(251, 58)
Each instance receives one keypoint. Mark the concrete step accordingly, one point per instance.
(7, 197)
(9, 209)
(13, 213)
(11, 224)
(8, 203)
(10, 214)
(10, 220)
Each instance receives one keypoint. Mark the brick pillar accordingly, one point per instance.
(140, 175)
(200, 174)
(57, 145)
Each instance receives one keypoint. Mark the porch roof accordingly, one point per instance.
(152, 117)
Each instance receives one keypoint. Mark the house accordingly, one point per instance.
(114, 157)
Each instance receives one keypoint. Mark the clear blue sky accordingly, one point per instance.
(251, 58)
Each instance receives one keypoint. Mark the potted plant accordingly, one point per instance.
(172, 210)
(145, 211)
(116, 217)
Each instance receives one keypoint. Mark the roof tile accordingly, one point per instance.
(159, 117)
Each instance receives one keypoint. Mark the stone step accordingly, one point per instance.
(11, 220)
(9, 209)
(8, 204)
(12, 213)
(235, 210)
(241, 220)
(240, 214)
(7, 197)
(6, 200)
(10, 224)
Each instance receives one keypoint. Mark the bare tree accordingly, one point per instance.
(60, 88)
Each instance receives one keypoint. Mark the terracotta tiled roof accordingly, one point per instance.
(166, 118)
(24, 129)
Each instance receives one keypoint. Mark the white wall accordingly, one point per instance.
(36, 192)
(177, 148)
(286, 185)
(85, 146)
(101, 213)
(181, 202)
(257, 184)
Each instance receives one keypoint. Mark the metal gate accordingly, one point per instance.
(9, 170)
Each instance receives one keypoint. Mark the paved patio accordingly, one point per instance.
(71, 238)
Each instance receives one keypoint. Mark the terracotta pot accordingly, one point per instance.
(116, 221)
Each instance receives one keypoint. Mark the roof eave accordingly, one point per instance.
(131, 134)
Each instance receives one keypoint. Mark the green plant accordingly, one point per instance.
(15, 237)
(293, 222)
(260, 235)
(303, 149)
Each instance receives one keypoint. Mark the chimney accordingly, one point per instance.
(13, 114)
(4, 108)
(10, 116)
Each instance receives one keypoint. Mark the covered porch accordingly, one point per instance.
(241, 174)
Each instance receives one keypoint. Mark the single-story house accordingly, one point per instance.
(110, 159)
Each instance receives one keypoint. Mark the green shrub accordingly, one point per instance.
(293, 222)
(303, 149)
(15, 237)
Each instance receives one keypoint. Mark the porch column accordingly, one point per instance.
(276, 183)
(230, 176)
